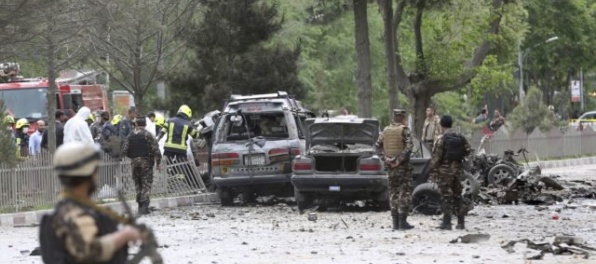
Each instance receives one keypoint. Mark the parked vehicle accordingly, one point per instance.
(254, 143)
(340, 162)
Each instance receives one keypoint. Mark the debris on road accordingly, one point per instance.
(471, 238)
(560, 245)
(312, 217)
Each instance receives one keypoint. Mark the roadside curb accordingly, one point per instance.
(33, 218)
(550, 164)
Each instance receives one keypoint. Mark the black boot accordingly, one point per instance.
(460, 222)
(403, 223)
(144, 208)
(446, 225)
(395, 218)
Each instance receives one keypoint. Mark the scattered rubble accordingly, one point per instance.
(561, 245)
(471, 238)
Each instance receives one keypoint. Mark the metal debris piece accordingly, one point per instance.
(471, 238)
(560, 245)
(312, 217)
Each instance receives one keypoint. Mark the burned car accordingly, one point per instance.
(340, 161)
(254, 142)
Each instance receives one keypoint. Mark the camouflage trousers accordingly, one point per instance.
(142, 175)
(450, 188)
(400, 187)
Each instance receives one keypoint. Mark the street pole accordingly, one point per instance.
(521, 72)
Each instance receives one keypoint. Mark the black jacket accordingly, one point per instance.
(59, 136)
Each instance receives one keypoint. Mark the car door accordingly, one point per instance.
(420, 161)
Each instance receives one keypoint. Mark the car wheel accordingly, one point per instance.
(500, 174)
(226, 196)
(470, 185)
(426, 199)
(303, 199)
(248, 196)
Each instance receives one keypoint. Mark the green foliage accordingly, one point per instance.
(7, 144)
(230, 56)
(532, 114)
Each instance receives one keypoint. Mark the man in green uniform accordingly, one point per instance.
(394, 147)
(141, 147)
(448, 153)
(80, 231)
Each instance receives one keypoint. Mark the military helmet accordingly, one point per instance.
(76, 159)
(23, 122)
(399, 112)
(116, 119)
(160, 120)
(9, 120)
(185, 110)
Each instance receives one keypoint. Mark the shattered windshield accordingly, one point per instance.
(270, 125)
(26, 103)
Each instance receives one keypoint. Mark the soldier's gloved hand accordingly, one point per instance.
(387, 160)
(394, 164)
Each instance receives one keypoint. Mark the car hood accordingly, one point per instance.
(359, 131)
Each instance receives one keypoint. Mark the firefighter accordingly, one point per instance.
(141, 147)
(394, 147)
(79, 230)
(22, 138)
(448, 153)
(160, 122)
(9, 122)
(178, 129)
(91, 119)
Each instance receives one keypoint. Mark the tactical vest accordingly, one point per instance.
(178, 130)
(453, 147)
(393, 143)
(138, 146)
(53, 250)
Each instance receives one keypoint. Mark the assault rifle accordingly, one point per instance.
(149, 246)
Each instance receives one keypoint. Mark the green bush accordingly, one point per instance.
(532, 114)
(7, 145)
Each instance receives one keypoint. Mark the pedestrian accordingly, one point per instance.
(141, 147)
(22, 138)
(497, 122)
(35, 139)
(394, 147)
(447, 157)
(77, 129)
(482, 116)
(97, 127)
(178, 129)
(60, 120)
(79, 230)
(431, 129)
(125, 127)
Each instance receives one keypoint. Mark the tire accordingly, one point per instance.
(303, 199)
(226, 196)
(551, 183)
(470, 185)
(248, 196)
(499, 173)
(426, 199)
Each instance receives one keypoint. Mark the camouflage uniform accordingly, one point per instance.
(448, 175)
(82, 230)
(395, 142)
(141, 146)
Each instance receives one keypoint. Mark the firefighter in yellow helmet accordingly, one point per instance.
(22, 137)
(160, 122)
(178, 129)
(91, 119)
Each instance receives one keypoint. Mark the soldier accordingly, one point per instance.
(394, 147)
(431, 129)
(448, 152)
(141, 147)
(80, 231)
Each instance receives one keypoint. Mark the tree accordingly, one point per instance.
(362, 43)
(231, 54)
(442, 61)
(386, 7)
(532, 114)
(135, 38)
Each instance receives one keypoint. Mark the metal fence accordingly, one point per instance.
(554, 144)
(33, 184)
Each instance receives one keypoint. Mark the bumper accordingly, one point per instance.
(237, 180)
(340, 183)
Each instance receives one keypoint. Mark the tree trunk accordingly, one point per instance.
(53, 86)
(421, 100)
(389, 36)
(139, 105)
(363, 76)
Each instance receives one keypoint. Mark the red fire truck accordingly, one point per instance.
(27, 97)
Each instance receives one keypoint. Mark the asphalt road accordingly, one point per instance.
(280, 234)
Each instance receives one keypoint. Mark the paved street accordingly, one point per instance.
(279, 234)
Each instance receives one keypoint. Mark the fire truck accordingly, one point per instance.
(27, 97)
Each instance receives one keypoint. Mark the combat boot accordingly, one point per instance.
(460, 222)
(144, 208)
(403, 224)
(446, 225)
(395, 218)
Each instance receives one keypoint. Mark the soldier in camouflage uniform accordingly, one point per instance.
(80, 231)
(142, 148)
(394, 147)
(448, 153)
